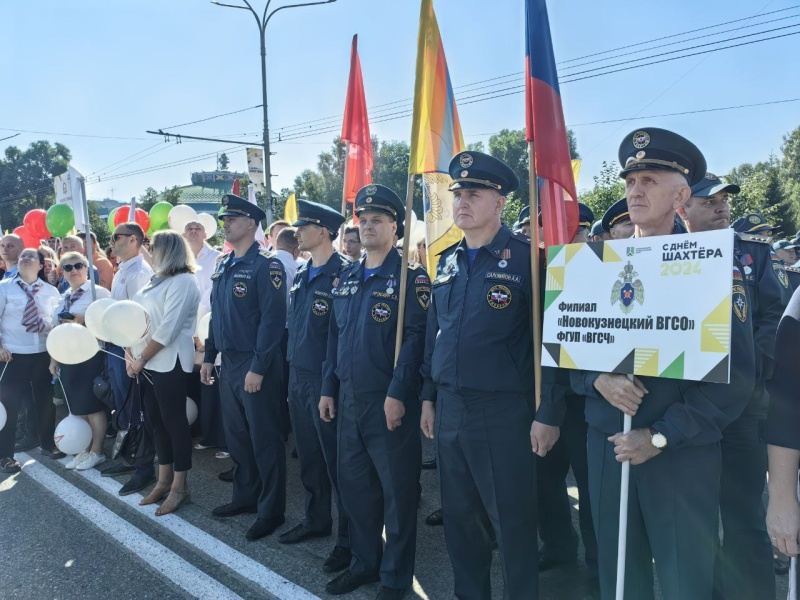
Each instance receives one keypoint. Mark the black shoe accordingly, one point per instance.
(110, 431)
(26, 444)
(338, 559)
(226, 476)
(429, 464)
(136, 484)
(263, 527)
(387, 593)
(435, 518)
(55, 453)
(348, 581)
(120, 469)
(9, 465)
(301, 533)
(231, 510)
(545, 563)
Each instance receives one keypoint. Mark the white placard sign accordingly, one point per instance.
(255, 167)
(654, 306)
(68, 191)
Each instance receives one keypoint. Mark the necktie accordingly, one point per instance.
(72, 298)
(31, 320)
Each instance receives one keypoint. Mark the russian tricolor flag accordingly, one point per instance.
(546, 129)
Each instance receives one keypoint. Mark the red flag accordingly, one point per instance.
(355, 131)
(236, 189)
(546, 129)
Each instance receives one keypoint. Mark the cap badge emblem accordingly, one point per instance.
(640, 155)
(641, 139)
(368, 200)
(465, 161)
(464, 173)
(371, 190)
(711, 176)
(754, 219)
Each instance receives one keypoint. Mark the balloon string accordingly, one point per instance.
(126, 360)
(4, 371)
(58, 377)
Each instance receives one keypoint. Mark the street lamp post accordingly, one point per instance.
(262, 22)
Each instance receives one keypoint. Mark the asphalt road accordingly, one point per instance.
(68, 535)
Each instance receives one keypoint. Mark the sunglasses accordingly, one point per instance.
(116, 236)
(68, 268)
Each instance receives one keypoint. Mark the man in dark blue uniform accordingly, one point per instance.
(617, 220)
(744, 567)
(559, 540)
(673, 446)
(478, 390)
(755, 224)
(309, 315)
(378, 409)
(248, 317)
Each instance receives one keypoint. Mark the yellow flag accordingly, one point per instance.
(290, 210)
(576, 169)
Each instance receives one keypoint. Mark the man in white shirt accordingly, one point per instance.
(10, 247)
(206, 258)
(134, 273)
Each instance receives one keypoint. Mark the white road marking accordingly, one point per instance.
(159, 557)
(242, 564)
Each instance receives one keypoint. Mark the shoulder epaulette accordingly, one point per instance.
(266, 253)
(792, 269)
(521, 237)
(750, 237)
(414, 266)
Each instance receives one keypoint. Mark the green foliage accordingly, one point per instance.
(790, 180)
(99, 227)
(148, 199)
(476, 147)
(171, 195)
(608, 188)
(761, 189)
(26, 179)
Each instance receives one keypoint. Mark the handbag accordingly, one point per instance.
(129, 438)
(101, 386)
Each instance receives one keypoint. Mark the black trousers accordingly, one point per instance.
(744, 565)
(211, 415)
(26, 373)
(559, 540)
(165, 409)
(254, 432)
(378, 478)
(316, 450)
(487, 473)
(672, 519)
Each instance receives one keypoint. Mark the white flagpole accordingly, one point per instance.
(622, 539)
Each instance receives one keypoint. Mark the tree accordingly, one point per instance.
(608, 188)
(761, 190)
(26, 179)
(148, 199)
(223, 162)
(99, 227)
(790, 180)
(172, 195)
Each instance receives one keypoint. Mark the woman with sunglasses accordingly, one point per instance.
(27, 306)
(79, 379)
(166, 355)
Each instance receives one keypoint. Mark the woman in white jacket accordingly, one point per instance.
(166, 355)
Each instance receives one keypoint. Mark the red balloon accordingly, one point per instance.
(29, 240)
(34, 222)
(140, 216)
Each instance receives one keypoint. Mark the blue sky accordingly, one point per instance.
(119, 68)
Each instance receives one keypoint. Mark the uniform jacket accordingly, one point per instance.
(361, 338)
(688, 413)
(479, 341)
(248, 309)
(310, 305)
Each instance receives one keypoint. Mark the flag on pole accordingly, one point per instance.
(355, 131)
(290, 209)
(251, 197)
(546, 129)
(435, 136)
(255, 167)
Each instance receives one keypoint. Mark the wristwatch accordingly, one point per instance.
(658, 439)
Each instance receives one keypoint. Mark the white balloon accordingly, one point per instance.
(179, 216)
(94, 317)
(191, 411)
(203, 324)
(70, 344)
(3, 416)
(209, 223)
(125, 323)
(73, 435)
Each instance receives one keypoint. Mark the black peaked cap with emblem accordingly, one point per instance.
(478, 170)
(752, 223)
(314, 213)
(616, 213)
(380, 198)
(659, 149)
(585, 216)
(710, 184)
(597, 228)
(239, 207)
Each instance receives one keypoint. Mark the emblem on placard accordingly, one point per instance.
(641, 139)
(320, 307)
(625, 290)
(381, 312)
(739, 301)
(499, 297)
(240, 289)
(465, 160)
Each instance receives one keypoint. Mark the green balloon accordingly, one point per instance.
(60, 220)
(111, 225)
(159, 215)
